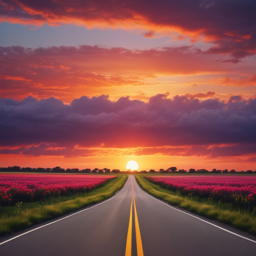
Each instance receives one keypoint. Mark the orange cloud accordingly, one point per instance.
(17, 78)
(250, 81)
(201, 95)
(74, 71)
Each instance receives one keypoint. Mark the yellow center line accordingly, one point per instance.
(138, 236)
(128, 251)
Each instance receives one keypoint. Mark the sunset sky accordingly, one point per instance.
(86, 84)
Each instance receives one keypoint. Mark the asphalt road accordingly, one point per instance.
(103, 230)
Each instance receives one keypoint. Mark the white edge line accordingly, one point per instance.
(216, 226)
(4, 242)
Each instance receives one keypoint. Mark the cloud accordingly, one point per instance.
(63, 71)
(221, 151)
(189, 126)
(228, 24)
(149, 34)
(227, 81)
(201, 95)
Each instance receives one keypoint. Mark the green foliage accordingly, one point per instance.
(222, 212)
(18, 204)
(36, 212)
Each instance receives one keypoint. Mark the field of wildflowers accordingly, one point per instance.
(239, 190)
(31, 187)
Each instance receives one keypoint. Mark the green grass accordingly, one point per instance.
(225, 213)
(36, 212)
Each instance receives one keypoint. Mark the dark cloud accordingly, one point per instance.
(230, 25)
(208, 127)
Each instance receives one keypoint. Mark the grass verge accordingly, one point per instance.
(243, 220)
(31, 213)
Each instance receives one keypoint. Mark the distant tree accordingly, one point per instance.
(26, 169)
(249, 171)
(48, 169)
(75, 170)
(202, 171)
(57, 169)
(192, 170)
(14, 169)
(107, 170)
(86, 170)
(115, 171)
(100, 171)
(182, 171)
(152, 171)
(68, 170)
(225, 171)
(95, 170)
(232, 171)
(144, 171)
(162, 171)
(173, 169)
(216, 171)
(40, 169)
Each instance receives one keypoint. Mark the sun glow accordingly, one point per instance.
(132, 165)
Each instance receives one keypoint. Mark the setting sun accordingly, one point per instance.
(132, 165)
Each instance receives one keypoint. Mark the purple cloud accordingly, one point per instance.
(33, 125)
(230, 25)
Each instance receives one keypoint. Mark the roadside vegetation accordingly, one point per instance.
(22, 215)
(244, 219)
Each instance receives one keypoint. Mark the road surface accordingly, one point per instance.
(130, 223)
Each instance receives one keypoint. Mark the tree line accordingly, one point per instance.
(175, 170)
(58, 169)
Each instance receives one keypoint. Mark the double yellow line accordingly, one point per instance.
(128, 251)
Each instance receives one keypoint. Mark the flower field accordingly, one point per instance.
(239, 190)
(32, 187)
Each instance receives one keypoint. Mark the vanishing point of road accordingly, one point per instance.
(130, 223)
